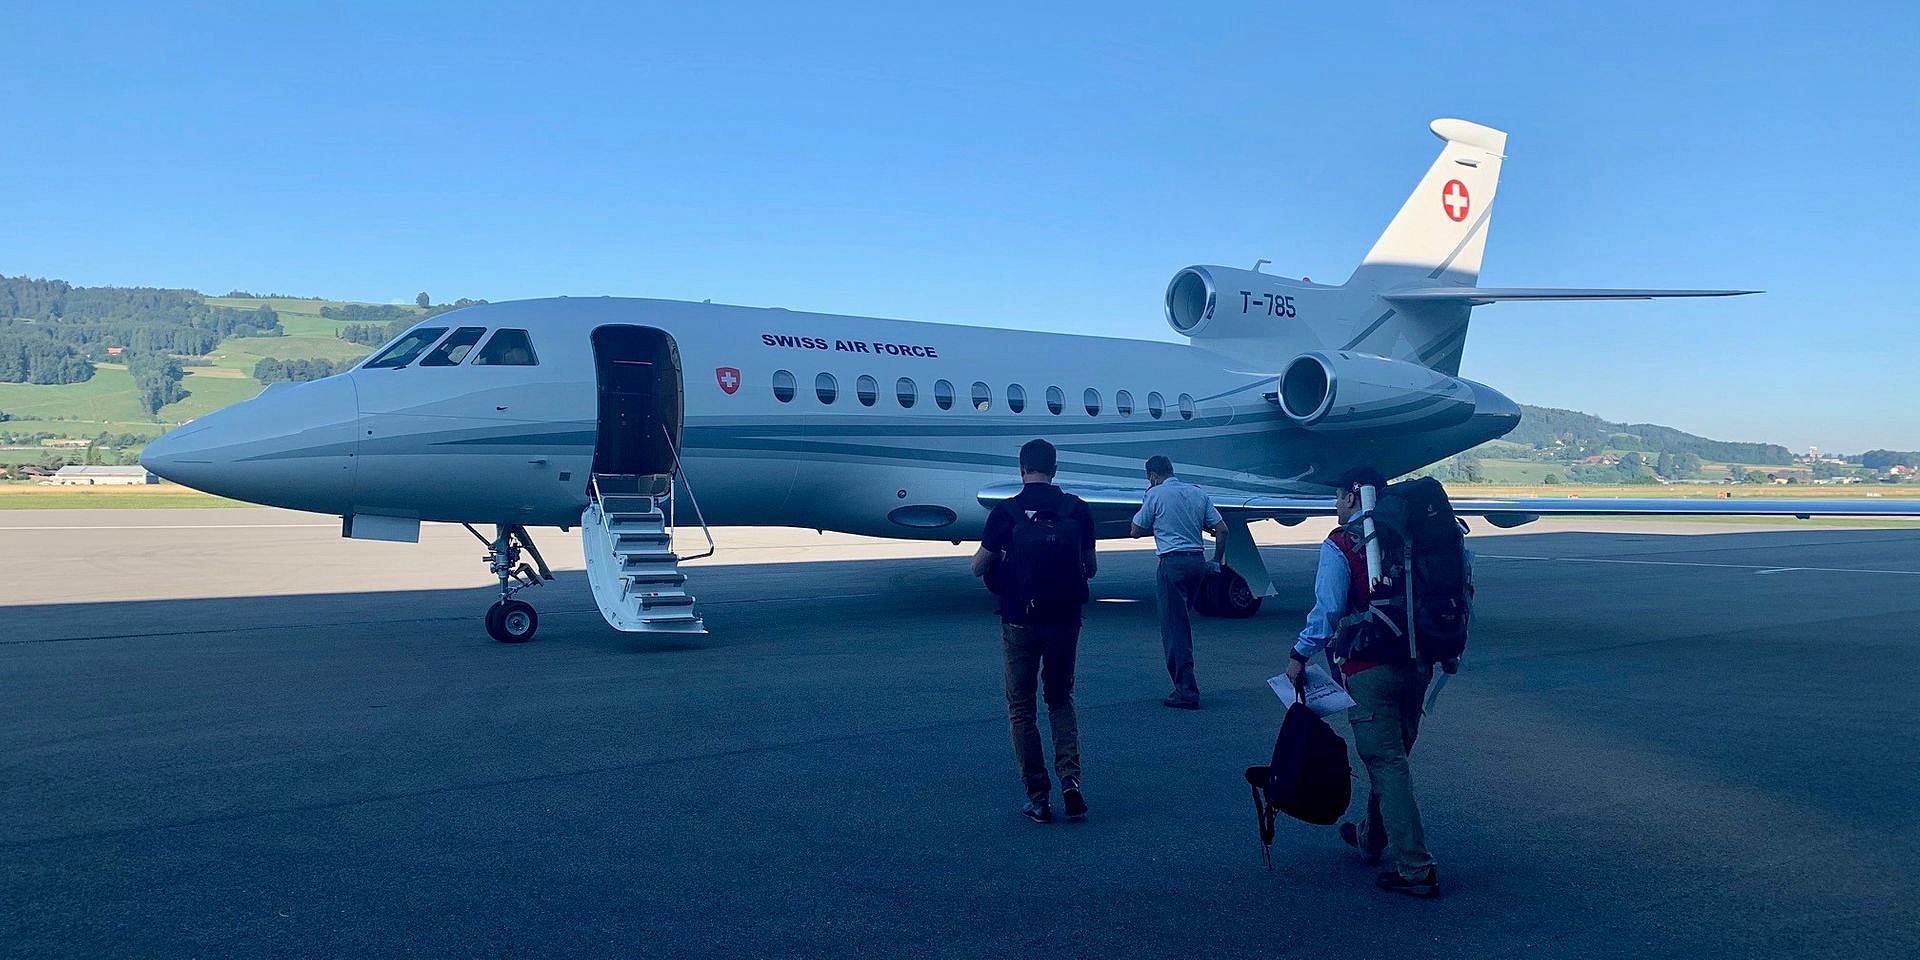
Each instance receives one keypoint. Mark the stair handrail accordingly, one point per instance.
(673, 498)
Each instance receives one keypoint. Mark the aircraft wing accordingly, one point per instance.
(1477, 295)
(1116, 505)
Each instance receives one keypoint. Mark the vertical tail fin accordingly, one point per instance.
(1441, 231)
(1435, 240)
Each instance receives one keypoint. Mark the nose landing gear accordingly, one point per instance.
(510, 620)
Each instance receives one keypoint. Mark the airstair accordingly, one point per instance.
(628, 530)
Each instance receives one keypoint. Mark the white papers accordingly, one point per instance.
(1324, 697)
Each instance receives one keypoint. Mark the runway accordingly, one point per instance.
(229, 733)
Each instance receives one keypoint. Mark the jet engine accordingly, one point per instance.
(1337, 391)
(1220, 302)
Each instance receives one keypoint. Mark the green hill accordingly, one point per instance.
(63, 353)
(1547, 427)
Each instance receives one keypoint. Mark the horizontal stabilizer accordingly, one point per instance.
(1472, 295)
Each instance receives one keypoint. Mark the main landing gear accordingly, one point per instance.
(1225, 594)
(510, 620)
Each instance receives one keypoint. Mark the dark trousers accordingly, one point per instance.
(1180, 577)
(1041, 656)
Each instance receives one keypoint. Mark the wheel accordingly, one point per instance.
(1206, 598)
(512, 621)
(1231, 597)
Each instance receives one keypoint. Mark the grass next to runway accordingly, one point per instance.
(34, 496)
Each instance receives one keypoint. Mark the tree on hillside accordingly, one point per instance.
(423, 300)
(270, 370)
(157, 377)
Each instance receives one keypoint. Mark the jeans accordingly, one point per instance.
(1042, 655)
(1385, 720)
(1180, 577)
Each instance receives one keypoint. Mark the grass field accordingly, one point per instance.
(31, 496)
(108, 398)
(109, 403)
(241, 353)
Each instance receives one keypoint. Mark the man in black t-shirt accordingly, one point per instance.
(1037, 554)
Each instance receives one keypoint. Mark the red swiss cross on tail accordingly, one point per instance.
(1454, 200)
(728, 378)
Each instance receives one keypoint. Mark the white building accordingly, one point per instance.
(84, 476)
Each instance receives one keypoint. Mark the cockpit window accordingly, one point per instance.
(405, 349)
(454, 348)
(507, 348)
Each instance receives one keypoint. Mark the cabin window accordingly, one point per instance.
(1016, 397)
(826, 388)
(784, 385)
(1056, 401)
(1186, 406)
(454, 348)
(507, 348)
(943, 394)
(982, 396)
(405, 349)
(907, 392)
(866, 390)
(1123, 403)
(1092, 397)
(1156, 404)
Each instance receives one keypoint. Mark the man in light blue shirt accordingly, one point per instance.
(1176, 512)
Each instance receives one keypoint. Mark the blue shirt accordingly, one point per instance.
(1176, 511)
(1330, 582)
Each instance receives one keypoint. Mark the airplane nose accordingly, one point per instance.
(292, 446)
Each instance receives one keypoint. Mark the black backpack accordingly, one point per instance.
(1043, 579)
(1309, 778)
(1426, 601)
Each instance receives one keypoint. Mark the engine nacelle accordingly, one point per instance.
(1216, 302)
(1337, 391)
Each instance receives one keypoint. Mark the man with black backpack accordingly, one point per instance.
(1037, 555)
(1391, 600)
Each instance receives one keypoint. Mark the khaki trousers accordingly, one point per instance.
(1385, 720)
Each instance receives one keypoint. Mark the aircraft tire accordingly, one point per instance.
(1230, 596)
(1205, 599)
(512, 621)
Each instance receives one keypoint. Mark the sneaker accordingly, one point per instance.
(1076, 804)
(1178, 702)
(1425, 885)
(1350, 832)
(1038, 812)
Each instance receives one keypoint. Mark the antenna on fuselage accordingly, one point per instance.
(1257, 264)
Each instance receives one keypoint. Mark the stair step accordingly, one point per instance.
(642, 568)
(669, 577)
(636, 523)
(642, 536)
(678, 615)
(613, 504)
(691, 625)
(650, 601)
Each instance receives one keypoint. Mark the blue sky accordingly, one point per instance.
(1041, 166)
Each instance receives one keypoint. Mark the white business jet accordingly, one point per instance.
(638, 419)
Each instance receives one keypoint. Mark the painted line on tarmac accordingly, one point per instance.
(1757, 568)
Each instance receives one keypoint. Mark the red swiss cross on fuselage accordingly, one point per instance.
(728, 378)
(1454, 200)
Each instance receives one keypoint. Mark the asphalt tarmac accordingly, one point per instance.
(228, 734)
